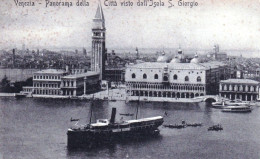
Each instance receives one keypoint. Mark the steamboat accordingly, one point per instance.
(107, 131)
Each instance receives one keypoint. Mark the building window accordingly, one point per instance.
(186, 78)
(156, 76)
(133, 75)
(165, 78)
(175, 77)
(198, 79)
(144, 76)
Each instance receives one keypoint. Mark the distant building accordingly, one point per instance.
(47, 82)
(137, 53)
(115, 68)
(79, 84)
(239, 74)
(243, 89)
(115, 74)
(216, 55)
(13, 58)
(84, 52)
(59, 83)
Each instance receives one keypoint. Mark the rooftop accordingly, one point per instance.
(51, 71)
(180, 66)
(89, 73)
(246, 81)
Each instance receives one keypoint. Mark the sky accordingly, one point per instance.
(233, 24)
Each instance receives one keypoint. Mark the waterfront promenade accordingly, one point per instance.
(119, 94)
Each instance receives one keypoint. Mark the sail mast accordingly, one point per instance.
(91, 110)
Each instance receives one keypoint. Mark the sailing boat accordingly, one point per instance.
(108, 130)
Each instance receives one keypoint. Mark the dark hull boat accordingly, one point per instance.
(126, 114)
(215, 128)
(105, 131)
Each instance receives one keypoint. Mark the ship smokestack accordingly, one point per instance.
(113, 115)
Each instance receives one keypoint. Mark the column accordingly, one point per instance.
(251, 97)
(74, 83)
(85, 80)
(246, 96)
(241, 88)
(230, 96)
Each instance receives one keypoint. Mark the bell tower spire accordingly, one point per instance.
(98, 42)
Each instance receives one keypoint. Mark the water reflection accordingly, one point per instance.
(36, 128)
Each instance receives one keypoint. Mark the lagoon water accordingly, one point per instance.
(36, 129)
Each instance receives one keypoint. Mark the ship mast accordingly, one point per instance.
(91, 110)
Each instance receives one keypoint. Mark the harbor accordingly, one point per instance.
(129, 80)
(36, 128)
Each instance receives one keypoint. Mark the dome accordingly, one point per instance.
(179, 51)
(162, 58)
(175, 60)
(195, 59)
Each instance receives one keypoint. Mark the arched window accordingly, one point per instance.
(186, 78)
(165, 78)
(156, 76)
(175, 77)
(133, 75)
(144, 76)
(198, 79)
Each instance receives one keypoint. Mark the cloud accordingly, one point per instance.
(232, 24)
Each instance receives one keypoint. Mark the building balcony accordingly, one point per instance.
(68, 87)
(168, 90)
(47, 80)
(231, 91)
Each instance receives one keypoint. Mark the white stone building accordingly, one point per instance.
(243, 89)
(174, 79)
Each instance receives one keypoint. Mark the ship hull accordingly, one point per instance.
(88, 138)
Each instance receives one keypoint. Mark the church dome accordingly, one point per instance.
(162, 58)
(179, 51)
(175, 60)
(195, 59)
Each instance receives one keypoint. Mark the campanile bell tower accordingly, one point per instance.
(98, 43)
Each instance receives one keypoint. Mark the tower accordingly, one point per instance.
(137, 53)
(13, 58)
(98, 43)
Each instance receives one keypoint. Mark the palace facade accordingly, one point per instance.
(79, 84)
(243, 89)
(175, 79)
